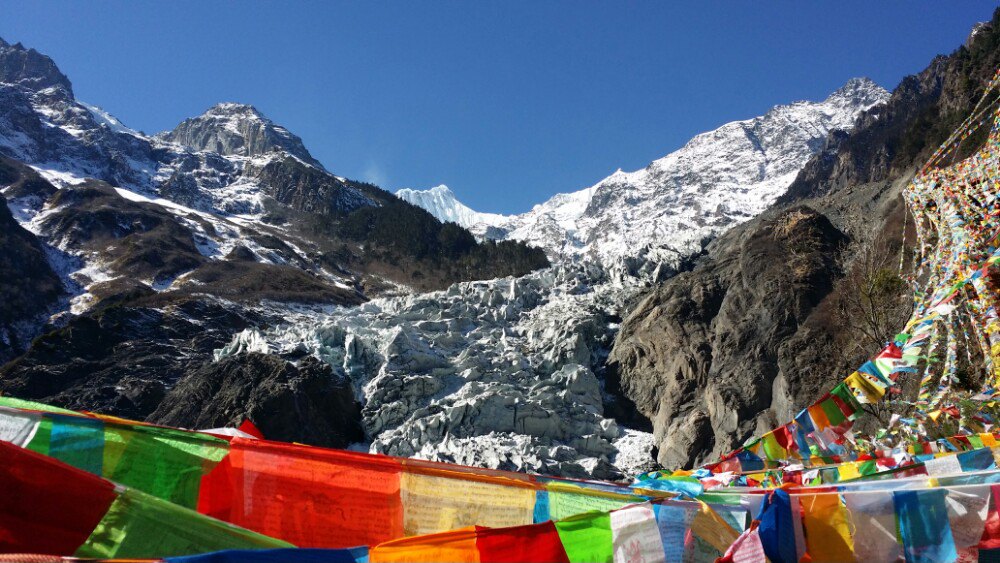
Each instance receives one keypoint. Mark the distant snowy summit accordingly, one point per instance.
(717, 180)
(442, 203)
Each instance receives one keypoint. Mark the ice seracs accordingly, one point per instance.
(498, 373)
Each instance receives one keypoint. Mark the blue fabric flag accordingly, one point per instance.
(542, 506)
(777, 534)
(684, 486)
(78, 442)
(977, 460)
(923, 525)
(673, 522)
(749, 461)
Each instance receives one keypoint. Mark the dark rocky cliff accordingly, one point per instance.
(762, 325)
(29, 287)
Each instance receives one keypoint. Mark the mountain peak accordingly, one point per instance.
(237, 129)
(860, 91)
(442, 203)
(443, 190)
(30, 69)
(234, 108)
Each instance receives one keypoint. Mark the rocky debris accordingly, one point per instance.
(497, 373)
(731, 349)
(301, 402)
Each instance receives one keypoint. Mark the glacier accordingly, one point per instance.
(497, 373)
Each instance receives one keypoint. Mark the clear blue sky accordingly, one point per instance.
(506, 102)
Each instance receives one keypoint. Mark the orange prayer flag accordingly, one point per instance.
(458, 546)
(819, 419)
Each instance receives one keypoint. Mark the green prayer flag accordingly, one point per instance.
(163, 462)
(832, 412)
(867, 467)
(564, 504)
(843, 392)
(40, 443)
(587, 537)
(31, 405)
(139, 525)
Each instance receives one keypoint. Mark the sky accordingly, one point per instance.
(506, 102)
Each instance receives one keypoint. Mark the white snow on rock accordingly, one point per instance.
(717, 180)
(441, 202)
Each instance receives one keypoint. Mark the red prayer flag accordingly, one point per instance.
(535, 543)
(48, 507)
(991, 533)
(311, 497)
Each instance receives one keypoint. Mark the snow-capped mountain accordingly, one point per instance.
(230, 176)
(202, 235)
(225, 222)
(233, 129)
(441, 202)
(717, 180)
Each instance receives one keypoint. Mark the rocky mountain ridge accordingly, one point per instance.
(233, 129)
(716, 180)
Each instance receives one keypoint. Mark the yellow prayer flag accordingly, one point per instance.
(712, 529)
(828, 536)
(848, 471)
(435, 504)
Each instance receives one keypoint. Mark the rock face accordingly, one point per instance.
(122, 359)
(28, 67)
(30, 290)
(292, 403)
(734, 347)
(699, 353)
(718, 179)
(237, 130)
